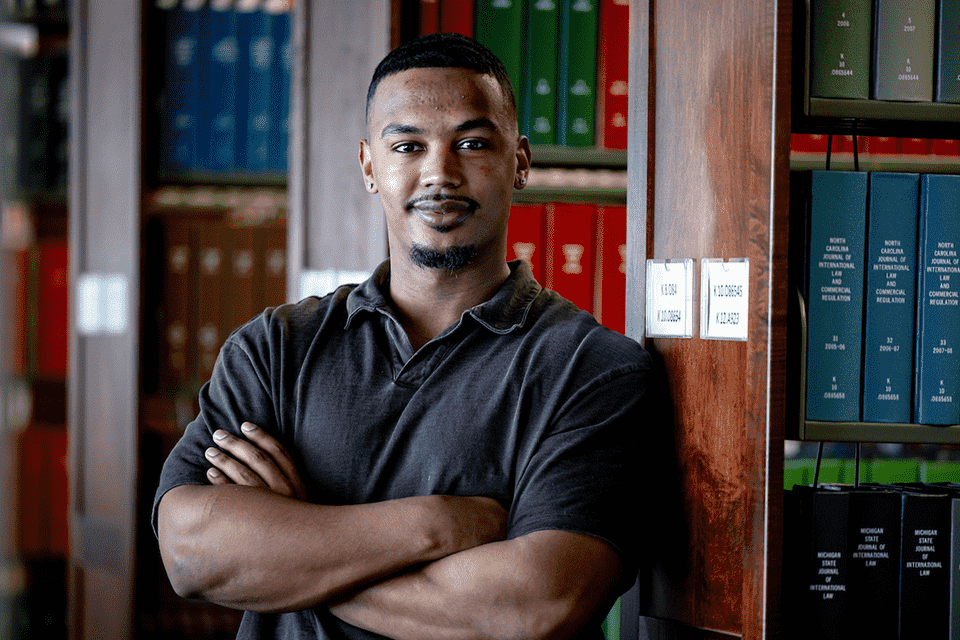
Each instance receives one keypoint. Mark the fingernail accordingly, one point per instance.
(212, 452)
(214, 473)
(248, 427)
(219, 434)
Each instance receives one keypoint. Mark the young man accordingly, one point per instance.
(458, 443)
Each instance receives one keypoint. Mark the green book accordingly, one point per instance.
(500, 29)
(904, 36)
(538, 119)
(840, 48)
(578, 73)
(948, 52)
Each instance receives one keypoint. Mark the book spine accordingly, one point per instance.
(903, 50)
(614, 72)
(840, 48)
(457, 16)
(256, 50)
(52, 321)
(274, 287)
(948, 52)
(577, 83)
(241, 285)
(538, 118)
(210, 309)
(937, 395)
(890, 297)
(571, 242)
(925, 565)
(181, 87)
(526, 235)
(35, 96)
(429, 16)
(954, 569)
(838, 203)
(219, 55)
(280, 77)
(177, 331)
(500, 28)
(59, 123)
(874, 530)
(612, 283)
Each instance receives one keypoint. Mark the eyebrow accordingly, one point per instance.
(409, 129)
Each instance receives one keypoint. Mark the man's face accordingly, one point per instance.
(444, 155)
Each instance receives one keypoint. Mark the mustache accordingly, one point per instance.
(429, 198)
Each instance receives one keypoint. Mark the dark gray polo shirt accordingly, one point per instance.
(525, 399)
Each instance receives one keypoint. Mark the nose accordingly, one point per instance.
(442, 168)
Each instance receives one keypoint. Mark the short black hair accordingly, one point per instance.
(443, 50)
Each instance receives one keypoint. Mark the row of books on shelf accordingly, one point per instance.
(36, 9)
(577, 249)
(225, 97)
(812, 144)
(39, 290)
(38, 149)
(872, 560)
(207, 277)
(883, 296)
(885, 50)
(567, 60)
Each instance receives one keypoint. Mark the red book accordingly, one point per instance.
(44, 501)
(429, 16)
(273, 281)
(456, 16)
(242, 251)
(882, 146)
(612, 284)
(178, 348)
(808, 143)
(52, 324)
(211, 265)
(571, 241)
(20, 292)
(613, 72)
(915, 146)
(945, 148)
(526, 235)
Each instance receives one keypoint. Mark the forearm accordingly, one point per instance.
(531, 587)
(252, 549)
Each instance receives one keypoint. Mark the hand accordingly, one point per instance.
(258, 461)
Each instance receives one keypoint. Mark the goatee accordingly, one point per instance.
(451, 259)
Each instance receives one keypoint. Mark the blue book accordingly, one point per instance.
(577, 62)
(219, 54)
(937, 394)
(838, 207)
(538, 119)
(257, 48)
(280, 75)
(891, 288)
(181, 86)
(904, 34)
(948, 52)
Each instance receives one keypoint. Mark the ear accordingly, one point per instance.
(524, 157)
(366, 166)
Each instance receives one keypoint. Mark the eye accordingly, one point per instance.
(405, 147)
(472, 144)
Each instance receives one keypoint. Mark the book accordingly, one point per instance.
(571, 244)
(925, 564)
(948, 52)
(457, 16)
(256, 47)
(891, 274)
(280, 78)
(840, 33)
(218, 59)
(613, 70)
(52, 321)
(612, 283)
(177, 333)
(526, 237)
(429, 16)
(180, 115)
(243, 270)
(937, 375)
(499, 25)
(837, 223)
(903, 50)
(209, 323)
(538, 118)
(577, 73)
(35, 104)
(273, 290)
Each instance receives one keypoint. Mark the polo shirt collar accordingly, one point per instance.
(504, 312)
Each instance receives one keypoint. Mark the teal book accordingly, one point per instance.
(840, 32)
(280, 76)
(256, 46)
(500, 29)
(219, 55)
(835, 265)
(576, 117)
(903, 50)
(937, 377)
(948, 51)
(891, 285)
(539, 114)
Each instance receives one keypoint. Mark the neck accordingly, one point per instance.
(430, 300)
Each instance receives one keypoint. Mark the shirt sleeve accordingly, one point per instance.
(240, 389)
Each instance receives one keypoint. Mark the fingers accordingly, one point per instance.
(259, 461)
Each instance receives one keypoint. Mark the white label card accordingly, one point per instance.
(670, 298)
(724, 299)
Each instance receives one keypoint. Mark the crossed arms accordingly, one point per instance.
(421, 567)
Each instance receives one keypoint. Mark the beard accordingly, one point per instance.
(451, 259)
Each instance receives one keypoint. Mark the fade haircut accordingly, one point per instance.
(443, 50)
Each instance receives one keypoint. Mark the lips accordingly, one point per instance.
(443, 212)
